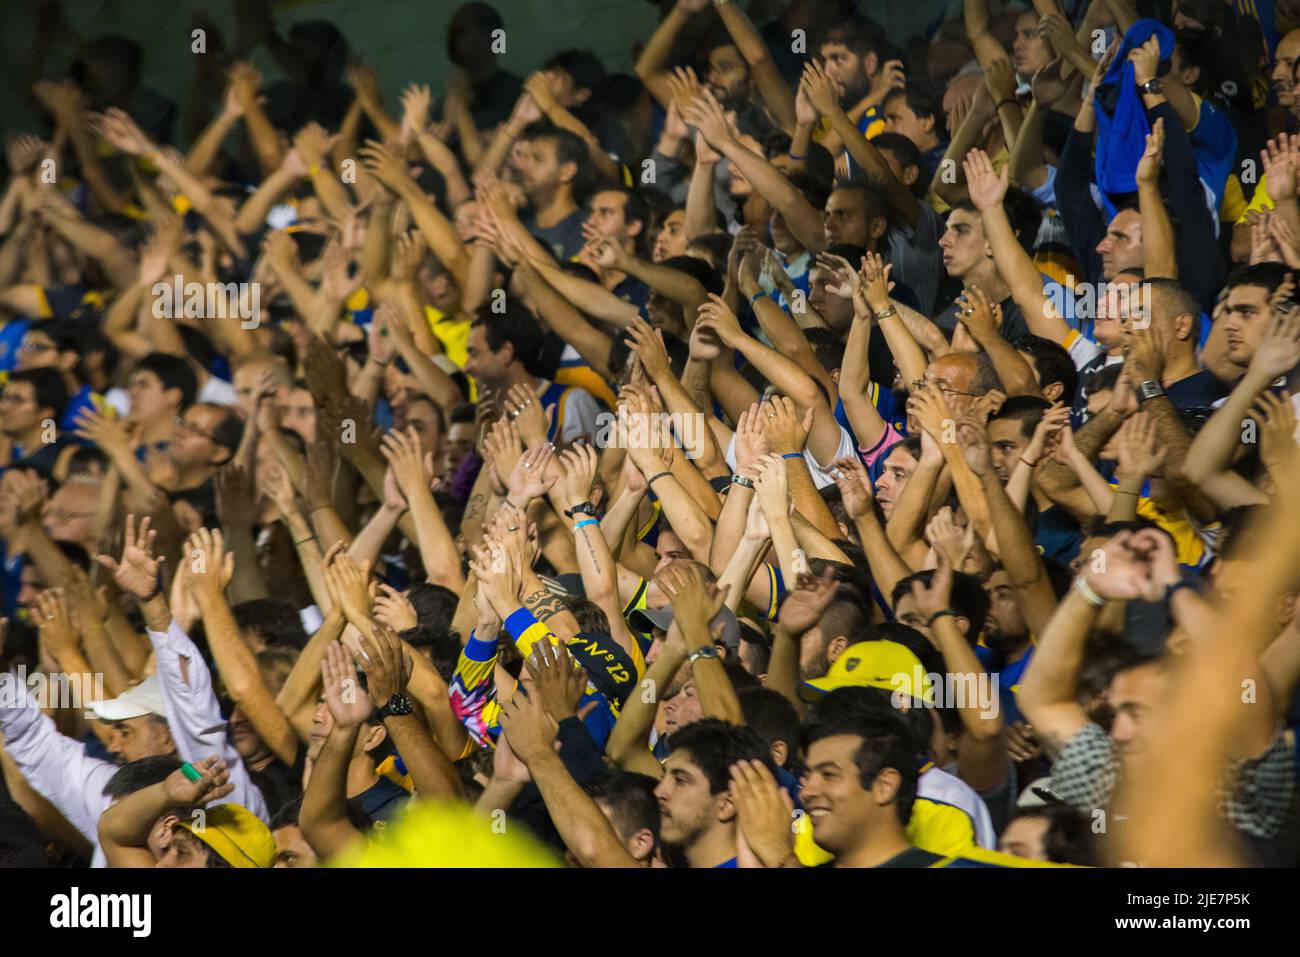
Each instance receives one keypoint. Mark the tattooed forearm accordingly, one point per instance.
(474, 507)
(695, 380)
(592, 554)
(543, 604)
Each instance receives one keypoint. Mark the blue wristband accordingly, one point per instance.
(584, 523)
(792, 455)
(757, 296)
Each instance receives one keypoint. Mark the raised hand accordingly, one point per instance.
(1132, 565)
(138, 569)
(209, 567)
(987, 188)
(524, 406)
(213, 783)
(394, 609)
(696, 601)
(386, 662)
(786, 431)
(529, 480)
(772, 487)
(556, 679)
(579, 466)
(1140, 451)
(751, 439)
(349, 704)
(764, 812)
(1148, 168)
(809, 597)
(854, 484)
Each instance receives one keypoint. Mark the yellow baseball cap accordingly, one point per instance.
(236, 834)
(872, 664)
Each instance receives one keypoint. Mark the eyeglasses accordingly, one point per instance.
(188, 429)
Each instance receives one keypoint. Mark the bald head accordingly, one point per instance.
(1283, 75)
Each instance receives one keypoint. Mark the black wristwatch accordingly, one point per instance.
(1149, 389)
(582, 508)
(398, 705)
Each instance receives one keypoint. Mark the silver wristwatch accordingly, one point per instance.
(1149, 389)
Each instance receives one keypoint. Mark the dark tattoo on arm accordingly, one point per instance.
(544, 605)
(593, 554)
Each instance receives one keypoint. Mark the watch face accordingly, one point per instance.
(399, 704)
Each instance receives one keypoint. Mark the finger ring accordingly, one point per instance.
(512, 528)
(514, 414)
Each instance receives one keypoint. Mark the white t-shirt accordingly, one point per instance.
(218, 392)
(821, 476)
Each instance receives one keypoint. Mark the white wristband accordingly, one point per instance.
(1090, 596)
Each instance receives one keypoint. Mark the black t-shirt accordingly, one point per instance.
(280, 783)
(203, 498)
(1014, 328)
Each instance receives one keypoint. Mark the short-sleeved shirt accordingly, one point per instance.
(564, 240)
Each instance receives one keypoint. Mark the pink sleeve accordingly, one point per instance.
(887, 439)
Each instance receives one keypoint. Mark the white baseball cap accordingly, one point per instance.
(145, 698)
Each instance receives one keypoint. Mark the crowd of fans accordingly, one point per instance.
(819, 447)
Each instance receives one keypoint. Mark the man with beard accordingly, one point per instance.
(698, 813)
(551, 165)
(849, 57)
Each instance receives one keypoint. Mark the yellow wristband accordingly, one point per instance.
(312, 170)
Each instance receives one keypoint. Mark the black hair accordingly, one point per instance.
(435, 605)
(1052, 362)
(138, 775)
(442, 645)
(275, 620)
(1268, 276)
(697, 269)
(513, 325)
(1026, 216)
(1069, 838)
(47, 384)
(174, 373)
(969, 599)
(908, 154)
(887, 741)
(582, 66)
(718, 245)
(1175, 299)
(1104, 379)
(229, 432)
(85, 458)
(826, 346)
(21, 844)
(463, 413)
(1027, 410)
(631, 800)
(591, 618)
(775, 719)
(569, 148)
(923, 100)
(715, 745)
(853, 34)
